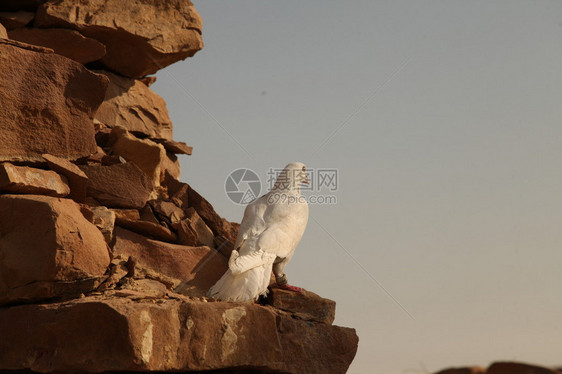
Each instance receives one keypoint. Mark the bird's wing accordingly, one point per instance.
(252, 225)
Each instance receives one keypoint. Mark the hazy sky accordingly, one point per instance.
(443, 120)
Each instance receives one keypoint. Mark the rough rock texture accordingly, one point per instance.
(171, 335)
(152, 36)
(104, 219)
(179, 148)
(68, 43)
(130, 104)
(147, 228)
(56, 102)
(196, 268)
(148, 155)
(52, 252)
(15, 20)
(119, 185)
(23, 179)
(3, 32)
(307, 305)
(76, 178)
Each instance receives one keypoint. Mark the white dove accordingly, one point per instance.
(271, 228)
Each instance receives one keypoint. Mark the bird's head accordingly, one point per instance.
(292, 176)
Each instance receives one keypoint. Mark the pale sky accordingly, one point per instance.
(443, 120)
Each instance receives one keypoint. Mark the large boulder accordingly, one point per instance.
(23, 179)
(119, 185)
(305, 304)
(195, 268)
(68, 43)
(48, 104)
(173, 334)
(47, 249)
(130, 104)
(146, 154)
(77, 180)
(152, 36)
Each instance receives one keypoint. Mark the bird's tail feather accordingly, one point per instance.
(247, 286)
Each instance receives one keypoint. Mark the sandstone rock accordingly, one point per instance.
(306, 305)
(132, 105)
(76, 178)
(16, 20)
(148, 81)
(150, 229)
(151, 36)
(146, 154)
(3, 32)
(173, 335)
(68, 43)
(56, 101)
(120, 185)
(225, 232)
(104, 219)
(47, 249)
(464, 370)
(23, 179)
(518, 368)
(142, 289)
(197, 267)
(126, 213)
(193, 230)
(167, 211)
(171, 165)
(175, 147)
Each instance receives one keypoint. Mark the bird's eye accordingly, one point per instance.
(304, 168)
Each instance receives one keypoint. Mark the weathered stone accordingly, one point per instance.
(463, 370)
(47, 249)
(146, 228)
(126, 213)
(3, 32)
(104, 219)
(48, 103)
(172, 335)
(142, 289)
(171, 165)
(15, 20)
(132, 105)
(167, 211)
(193, 230)
(148, 81)
(76, 178)
(151, 37)
(68, 43)
(197, 267)
(23, 179)
(175, 147)
(518, 368)
(306, 304)
(120, 185)
(225, 232)
(146, 154)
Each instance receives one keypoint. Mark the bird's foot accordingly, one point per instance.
(291, 288)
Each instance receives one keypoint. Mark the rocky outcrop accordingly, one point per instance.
(68, 43)
(105, 256)
(48, 249)
(178, 334)
(52, 101)
(151, 37)
(130, 104)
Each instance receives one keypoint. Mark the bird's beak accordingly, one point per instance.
(306, 181)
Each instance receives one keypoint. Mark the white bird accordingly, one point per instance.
(271, 228)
